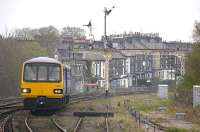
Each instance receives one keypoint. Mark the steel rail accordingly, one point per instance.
(6, 116)
(10, 98)
(57, 125)
(5, 126)
(8, 105)
(27, 124)
(78, 124)
(107, 124)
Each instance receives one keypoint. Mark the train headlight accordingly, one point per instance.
(58, 91)
(26, 90)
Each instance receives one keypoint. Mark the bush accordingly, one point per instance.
(177, 130)
(191, 77)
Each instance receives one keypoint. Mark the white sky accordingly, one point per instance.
(172, 19)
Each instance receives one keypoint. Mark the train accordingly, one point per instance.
(45, 83)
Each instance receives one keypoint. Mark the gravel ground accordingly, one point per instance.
(42, 124)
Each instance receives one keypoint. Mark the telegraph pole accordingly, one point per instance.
(105, 14)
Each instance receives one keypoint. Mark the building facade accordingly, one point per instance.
(137, 59)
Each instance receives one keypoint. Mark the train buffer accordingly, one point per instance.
(94, 114)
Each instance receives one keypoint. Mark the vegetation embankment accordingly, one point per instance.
(12, 54)
(162, 112)
(192, 71)
(183, 99)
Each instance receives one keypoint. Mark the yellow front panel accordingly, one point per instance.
(42, 89)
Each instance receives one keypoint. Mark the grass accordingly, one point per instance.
(122, 120)
(176, 130)
(147, 104)
(182, 130)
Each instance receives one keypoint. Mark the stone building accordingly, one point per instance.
(137, 58)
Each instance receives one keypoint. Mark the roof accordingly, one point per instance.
(43, 59)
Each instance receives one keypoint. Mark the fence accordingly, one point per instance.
(142, 120)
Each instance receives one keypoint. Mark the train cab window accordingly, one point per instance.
(42, 73)
(54, 73)
(31, 73)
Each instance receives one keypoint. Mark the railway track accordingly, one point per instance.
(78, 124)
(42, 124)
(58, 125)
(11, 105)
(6, 125)
(7, 103)
(6, 118)
(8, 107)
(107, 124)
(26, 121)
(76, 99)
(9, 99)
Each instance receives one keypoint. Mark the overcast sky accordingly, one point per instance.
(172, 19)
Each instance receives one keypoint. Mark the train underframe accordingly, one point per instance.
(44, 103)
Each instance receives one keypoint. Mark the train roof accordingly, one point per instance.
(42, 59)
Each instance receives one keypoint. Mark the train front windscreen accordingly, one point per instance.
(37, 72)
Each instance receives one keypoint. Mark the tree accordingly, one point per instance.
(192, 72)
(25, 33)
(12, 54)
(48, 37)
(74, 32)
(196, 31)
(87, 71)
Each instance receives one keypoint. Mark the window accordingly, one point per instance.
(42, 72)
(31, 72)
(54, 73)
